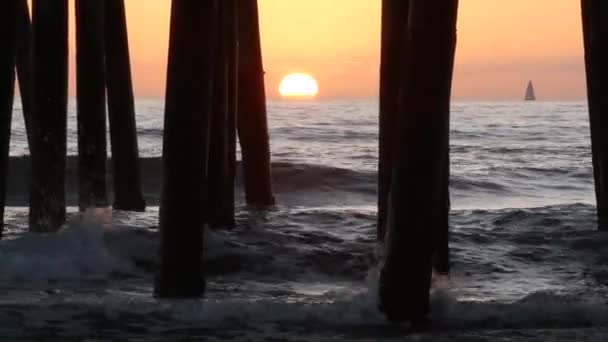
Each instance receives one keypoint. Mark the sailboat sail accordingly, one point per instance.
(530, 92)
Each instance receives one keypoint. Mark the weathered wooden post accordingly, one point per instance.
(418, 203)
(91, 109)
(49, 123)
(126, 169)
(183, 208)
(595, 30)
(394, 23)
(221, 177)
(233, 76)
(8, 11)
(251, 121)
(24, 66)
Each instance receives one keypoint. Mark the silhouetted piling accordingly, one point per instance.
(251, 121)
(91, 109)
(221, 177)
(394, 23)
(418, 204)
(595, 28)
(126, 169)
(24, 66)
(233, 69)
(183, 209)
(8, 10)
(49, 123)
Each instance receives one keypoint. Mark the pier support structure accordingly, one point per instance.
(126, 168)
(49, 122)
(392, 54)
(222, 147)
(251, 121)
(595, 31)
(232, 57)
(24, 66)
(184, 208)
(418, 203)
(8, 35)
(91, 109)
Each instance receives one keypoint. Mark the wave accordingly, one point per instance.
(90, 247)
(86, 249)
(290, 180)
(291, 243)
(309, 272)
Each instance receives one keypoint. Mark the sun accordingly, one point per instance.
(298, 85)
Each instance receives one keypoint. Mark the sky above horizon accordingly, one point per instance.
(501, 45)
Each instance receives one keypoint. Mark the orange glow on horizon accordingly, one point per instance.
(501, 45)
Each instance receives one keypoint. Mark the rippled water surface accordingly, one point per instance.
(528, 262)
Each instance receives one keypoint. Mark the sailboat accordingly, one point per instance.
(530, 92)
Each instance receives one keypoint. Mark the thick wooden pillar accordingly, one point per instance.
(251, 121)
(91, 109)
(221, 173)
(595, 29)
(394, 22)
(24, 66)
(47, 197)
(183, 208)
(126, 169)
(418, 204)
(8, 10)
(233, 82)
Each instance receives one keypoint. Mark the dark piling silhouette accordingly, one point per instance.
(418, 205)
(233, 68)
(8, 34)
(49, 123)
(221, 173)
(251, 121)
(184, 209)
(595, 30)
(91, 109)
(394, 23)
(24, 66)
(126, 168)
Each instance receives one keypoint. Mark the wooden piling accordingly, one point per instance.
(126, 169)
(221, 175)
(233, 75)
(183, 209)
(49, 123)
(418, 204)
(8, 11)
(394, 23)
(251, 121)
(24, 66)
(595, 31)
(91, 109)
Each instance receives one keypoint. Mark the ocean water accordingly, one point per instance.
(528, 262)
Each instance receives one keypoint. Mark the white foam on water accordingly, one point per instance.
(86, 248)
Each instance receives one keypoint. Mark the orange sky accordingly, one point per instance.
(502, 44)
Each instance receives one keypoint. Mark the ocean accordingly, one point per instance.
(528, 262)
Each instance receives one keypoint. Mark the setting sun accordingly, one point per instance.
(298, 85)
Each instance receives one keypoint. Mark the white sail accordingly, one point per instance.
(530, 96)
